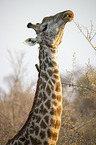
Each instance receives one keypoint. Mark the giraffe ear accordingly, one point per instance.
(31, 41)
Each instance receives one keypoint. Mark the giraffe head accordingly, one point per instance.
(50, 31)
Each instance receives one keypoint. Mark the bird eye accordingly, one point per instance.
(45, 27)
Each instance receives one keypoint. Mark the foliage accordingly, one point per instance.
(15, 105)
(79, 107)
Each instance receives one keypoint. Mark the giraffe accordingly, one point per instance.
(43, 123)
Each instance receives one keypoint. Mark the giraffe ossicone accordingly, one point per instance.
(43, 123)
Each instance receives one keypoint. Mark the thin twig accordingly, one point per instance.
(89, 40)
(92, 36)
(85, 123)
(78, 86)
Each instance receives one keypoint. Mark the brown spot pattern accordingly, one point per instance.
(50, 72)
(46, 60)
(56, 71)
(55, 123)
(22, 138)
(52, 135)
(26, 142)
(59, 97)
(44, 75)
(55, 63)
(42, 134)
(56, 76)
(43, 85)
(52, 86)
(48, 90)
(58, 123)
(53, 96)
(21, 143)
(48, 104)
(43, 110)
(43, 125)
(46, 143)
(35, 141)
(44, 96)
(53, 81)
(59, 109)
(53, 111)
(36, 130)
(46, 119)
(58, 87)
(51, 64)
(54, 103)
(38, 119)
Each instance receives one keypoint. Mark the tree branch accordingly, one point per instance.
(88, 38)
(73, 85)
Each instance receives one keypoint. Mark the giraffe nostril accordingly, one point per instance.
(69, 16)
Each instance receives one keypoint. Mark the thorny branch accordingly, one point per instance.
(82, 125)
(85, 122)
(89, 36)
(73, 85)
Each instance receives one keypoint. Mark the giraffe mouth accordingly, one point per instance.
(68, 16)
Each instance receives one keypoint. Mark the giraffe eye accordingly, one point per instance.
(65, 16)
(29, 39)
(45, 27)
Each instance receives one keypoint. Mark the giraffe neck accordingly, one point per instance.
(43, 124)
(49, 103)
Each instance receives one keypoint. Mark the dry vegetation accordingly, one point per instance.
(79, 109)
(15, 105)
